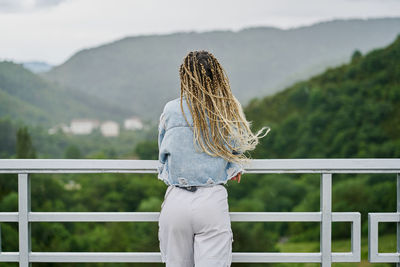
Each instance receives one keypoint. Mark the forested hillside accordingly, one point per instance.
(26, 97)
(349, 111)
(141, 72)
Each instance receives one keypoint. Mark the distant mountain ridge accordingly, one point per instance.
(141, 72)
(37, 66)
(29, 98)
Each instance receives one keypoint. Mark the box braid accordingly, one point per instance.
(205, 85)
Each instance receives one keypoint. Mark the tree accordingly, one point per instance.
(72, 152)
(356, 56)
(7, 137)
(147, 150)
(25, 149)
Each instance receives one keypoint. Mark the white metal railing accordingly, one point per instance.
(326, 167)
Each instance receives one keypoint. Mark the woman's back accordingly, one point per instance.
(180, 163)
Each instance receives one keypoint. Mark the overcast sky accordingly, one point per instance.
(53, 30)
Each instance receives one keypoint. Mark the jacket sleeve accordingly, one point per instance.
(161, 134)
(162, 151)
(234, 168)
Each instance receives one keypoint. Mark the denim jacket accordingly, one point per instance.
(179, 163)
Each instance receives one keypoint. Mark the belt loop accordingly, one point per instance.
(191, 188)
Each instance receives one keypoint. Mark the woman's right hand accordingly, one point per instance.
(237, 177)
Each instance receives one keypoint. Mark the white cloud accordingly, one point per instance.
(16, 6)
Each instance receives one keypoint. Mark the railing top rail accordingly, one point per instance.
(308, 165)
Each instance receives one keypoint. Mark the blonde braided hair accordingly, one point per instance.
(205, 85)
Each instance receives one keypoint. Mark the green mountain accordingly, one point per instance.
(141, 72)
(29, 98)
(349, 111)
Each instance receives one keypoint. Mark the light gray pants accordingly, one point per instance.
(195, 227)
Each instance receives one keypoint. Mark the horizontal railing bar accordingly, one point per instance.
(9, 256)
(275, 216)
(153, 216)
(156, 257)
(93, 216)
(8, 216)
(345, 216)
(385, 216)
(276, 257)
(49, 171)
(344, 257)
(152, 171)
(356, 165)
(386, 257)
(95, 257)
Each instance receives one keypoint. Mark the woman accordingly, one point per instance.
(202, 138)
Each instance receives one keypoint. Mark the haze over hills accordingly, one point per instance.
(27, 97)
(140, 73)
(37, 66)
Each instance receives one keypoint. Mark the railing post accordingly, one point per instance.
(398, 215)
(24, 227)
(326, 219)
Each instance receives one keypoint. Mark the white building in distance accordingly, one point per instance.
(59, 127)
(133, 123)
(109, 128)
(83, 126)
